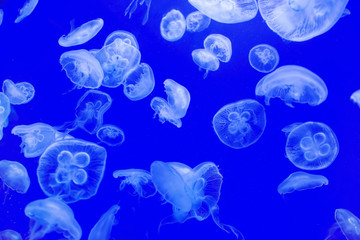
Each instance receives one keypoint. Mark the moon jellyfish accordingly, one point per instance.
(26, 10)
(19, 93)
(263, 58)
(139, 179)
(205, 60)
(81, 34)
(355, 97)
(172, 110)
(197, 22)
(10, 235)
(219, 45)
(1, 16)
(292, 83)
(71, 169)
(301, 20)
(348, 223)
(133, 5)
(311, 145)
(14, 175)
(111, 135)
(52, 215)
(240, 124)
(82, 68)
(126, 37)
(173, 26)
(4, 112)
(102, 229)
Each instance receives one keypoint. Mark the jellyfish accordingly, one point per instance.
(311, 145)
(126, 37)
(10, 235)
(292, 83)
(1, 16)
(219, 45)
(301, 20)
(348, 223)
(355, 97)
(111, 135)
(197, 22)
(299, 181)
(133, 5)
(172, 110)
(82, 34)
(205, 60)
(71, 169)
(26, 10)
(263, 58)
(139, 82)
(14, 175)
(240, 124)
(52, 215)
(102, 229)
(173, 26)
(4, 112)
(139, 179)
(19, 93)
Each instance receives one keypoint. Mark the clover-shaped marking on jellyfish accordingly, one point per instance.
(263, 58)
(173, 26)
(239, 122)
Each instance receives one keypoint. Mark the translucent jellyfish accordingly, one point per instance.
(26, 10)
(205, 60)
(355, 97)
(301, 20)
(1, 16)
(4, 112)
(299, 181)
(292, 83)
(102, 229)
(172, 110)
(82, 68)
(219, 45)
(14, 175)
(311, 145)
(227, 11)
(263, 58)
(111, 135)
(197, 22)
(10, 235)
(82, 34)
(173, 26)
(240, 124)
(126, 37)
(139, 82)
(348, 223)
(139, 179)
(71, 169)
(52, 215)
(19, 93)
(133, 5)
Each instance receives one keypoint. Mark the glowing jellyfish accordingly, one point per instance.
(102, 229)
(172, 110)
(82, 68)
(197, 22)
(19, 93)
(263, 58)
(52, 215)
(139, 179)
(1, 16)
(292, 83)
(348, 223)
(299, 181)
(355, 97)
(301, 20)
(205, 60)
(10, 235)
(126, 37)
(82, 34)
(133, 5)
(4, 112)
(311, 145)
(219, 45)
(173, 26)
(71, 169)
(111, 135)
(240, 124)
(26, 10)
(14, 175)
(139, 82)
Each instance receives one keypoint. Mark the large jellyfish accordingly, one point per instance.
(4, 112)
(19, 93)
(133, 5)
(26, 10)
(1, 16)
(10, 235)
(219, 45)
(173, 25)
(301, 20)
(14, 175)
(240, 124)
(81, 34)
(52, 215)
(205, 60)
(355, 97)
(71, 169)
(263, 58)
(111, 135)
(172, 110)
(197, 22)
(126, 37)
(292, 83)
(311, 145)
(102, 229)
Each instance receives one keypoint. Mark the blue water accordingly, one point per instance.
(249, 201)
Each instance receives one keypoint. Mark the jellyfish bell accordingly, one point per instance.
(111, 135)
(102, 229)
(14, 175)
(263, 58)
(205, 60)
(10, 235)
(197, 22)
(19, 93)
(219, 46)
(126, 37)
(173, 25)
(28, 7)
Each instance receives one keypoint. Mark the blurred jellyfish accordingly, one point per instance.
(263, 58)
(205, 60)
(4, 112)
(1, 16)
(111, 135)
(126, 37)
(197, 22)
(240, 124)
(10, 235)
(311, 145)
(14, 175)
(219, 45)
(133, 5)
(19, 93)
(173, 26)
(82, 34)
(52, 215)
(348, 223)
(355, 97)
(102, 229)
(71, 169)
(292, 83)
(26, 10)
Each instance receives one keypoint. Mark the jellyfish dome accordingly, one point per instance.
(102, 229)
(197, 22)
(355, 97)
(4, 112)
(111, 135)
(71, 169)
(14, 175)
(263, 58)
(205, 60)
(19, 93)
(173, 25)
(219, 45)
(348, 223)
(126, 37)
(10, 235)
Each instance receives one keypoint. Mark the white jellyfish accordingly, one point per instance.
(173, 25)
(197, 22)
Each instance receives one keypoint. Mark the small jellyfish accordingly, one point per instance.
(14, 175)
(126, 37)
(240, 124)
(263, 58)
(355, 97)
(311, 145)
(71, 169)
(111, 135)
(102, 229)
(133, 5)
(292, 83)
(82, 34)
(299, 181)
(19, 93)
(10, 235)
(52, 215)
(26, 10)
(173, 26)
(1, 16)
(205, 60)
(197, 22)
(348, 223)
(4, 112)
(219, 45)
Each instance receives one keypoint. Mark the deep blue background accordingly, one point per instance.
(29, 51)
